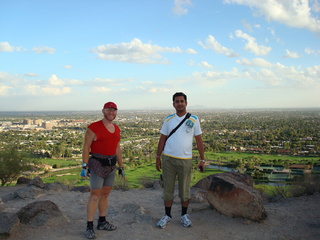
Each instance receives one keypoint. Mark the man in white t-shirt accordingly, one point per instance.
(174, 157)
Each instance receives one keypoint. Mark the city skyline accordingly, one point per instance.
(77, 55)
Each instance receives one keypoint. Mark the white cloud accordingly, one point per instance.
(252, 45)
(266, 76)
(31, 74)
(273, 33)
(108, 82)
(4, 90)
(67, 66)
(213, 44)
(205, 65)
(136, 52)
(310, 51)
(315, 5)
(291, 54)
(36, 90)
(277, 74)
(293, 13)
(313, 72)
(45, 49)
(180, 7)
(213, 78)
(159, 90)
(55, 81)
(101, 89)
(6, 47)
(256, 62)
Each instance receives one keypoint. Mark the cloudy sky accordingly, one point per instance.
(79, 54)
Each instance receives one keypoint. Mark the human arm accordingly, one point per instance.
(88, 139)
(120, 163)
(200, 148)
(119, 156)
(161, 144)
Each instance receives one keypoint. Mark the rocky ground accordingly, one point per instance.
(136, 212)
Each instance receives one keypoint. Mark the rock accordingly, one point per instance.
(8, 222)
(23, 180)
(232, 194)
(42, 213)
(29, 192)
(56, 187)
(37, 181)
(8, 197)
(82, 189)
(197, 195)
(140, 214)
(156, 184)
(206, 182)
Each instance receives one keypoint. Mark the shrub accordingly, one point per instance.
(147, 182)
(306, 185)
(121, 184)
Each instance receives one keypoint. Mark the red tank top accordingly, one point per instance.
(106, 143)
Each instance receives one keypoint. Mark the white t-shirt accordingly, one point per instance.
(179, 145)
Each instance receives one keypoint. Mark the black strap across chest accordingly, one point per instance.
(175, 129)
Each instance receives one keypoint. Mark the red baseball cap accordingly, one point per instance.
(110, 105)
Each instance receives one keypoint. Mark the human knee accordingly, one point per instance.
(95, 195)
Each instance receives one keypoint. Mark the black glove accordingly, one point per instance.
(121, 172)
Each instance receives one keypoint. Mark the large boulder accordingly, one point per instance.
(8, 222)
(56, 187)
(23, 180)
(37, 181)
(42, 213)
(232, 194)
(29, 192)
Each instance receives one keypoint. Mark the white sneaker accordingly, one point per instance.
(164, 221)
(186, 221)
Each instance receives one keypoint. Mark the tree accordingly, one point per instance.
(12, 164)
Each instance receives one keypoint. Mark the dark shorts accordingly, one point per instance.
(97, 182)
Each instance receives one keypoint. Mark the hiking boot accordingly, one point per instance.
(164, 221)
(106, 226)
(186, 221)
(90, 233)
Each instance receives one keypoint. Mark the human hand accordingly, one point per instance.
(158, 164)
(84, 165)
(201, 166)
(121, 172)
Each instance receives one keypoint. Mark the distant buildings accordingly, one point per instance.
(47, 125)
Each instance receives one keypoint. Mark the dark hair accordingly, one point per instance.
(177, 94)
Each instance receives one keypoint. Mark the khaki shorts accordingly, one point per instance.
(171, 168)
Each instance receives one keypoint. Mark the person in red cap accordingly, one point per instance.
(101, 152)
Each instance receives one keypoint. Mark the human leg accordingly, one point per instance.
(169, 177)
(103, 224)
(184, 178)
(103, 200)
(96, 183)
(105, 192)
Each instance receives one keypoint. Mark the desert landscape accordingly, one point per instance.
(136, 212)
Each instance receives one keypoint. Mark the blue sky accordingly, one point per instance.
(77, 55)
